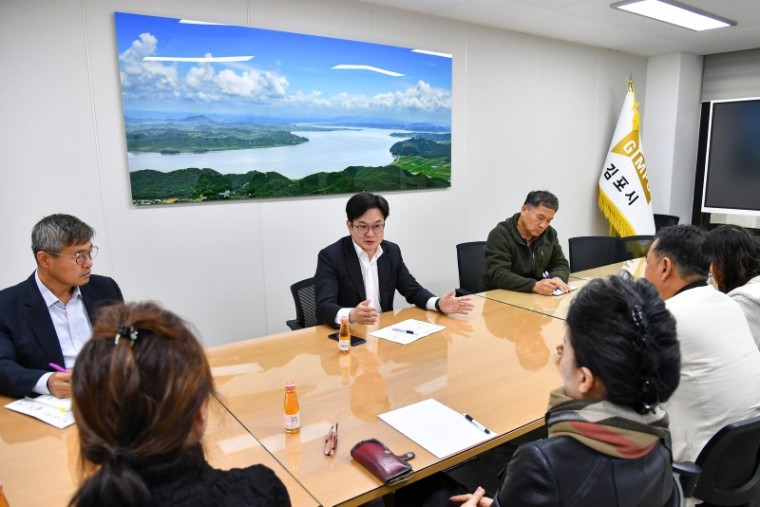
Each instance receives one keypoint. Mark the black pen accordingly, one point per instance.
(399, 330)
(477, 424)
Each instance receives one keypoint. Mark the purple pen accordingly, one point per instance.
(58, 368)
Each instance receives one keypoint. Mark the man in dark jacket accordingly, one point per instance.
(47, 318)
(358, 275)
(523, 252)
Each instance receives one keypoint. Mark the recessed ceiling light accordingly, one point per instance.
(674, 13)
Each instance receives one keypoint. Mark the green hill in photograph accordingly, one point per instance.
(196, 185)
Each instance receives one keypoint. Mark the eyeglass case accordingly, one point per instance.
(381, 462)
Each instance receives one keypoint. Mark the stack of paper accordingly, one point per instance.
(47, 408)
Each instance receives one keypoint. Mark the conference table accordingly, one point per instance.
(557, 306)
(635, 267)
(497, 363)
(494, 364)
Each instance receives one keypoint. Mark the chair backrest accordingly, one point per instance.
(305, 299)
(588, 252)
(636, 246)
(730, 463)
(471, 261)
(661, 221)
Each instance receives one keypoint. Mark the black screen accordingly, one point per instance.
(732, 181)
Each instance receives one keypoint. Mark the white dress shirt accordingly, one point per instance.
(72, 326)
(371, 280)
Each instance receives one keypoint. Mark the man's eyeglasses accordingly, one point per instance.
(80, 256)
(364, 228)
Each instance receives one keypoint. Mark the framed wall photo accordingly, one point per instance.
(218, 112)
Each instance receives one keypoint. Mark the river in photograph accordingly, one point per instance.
(326, 151)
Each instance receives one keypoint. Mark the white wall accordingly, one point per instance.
(671, 131)
(528, 112)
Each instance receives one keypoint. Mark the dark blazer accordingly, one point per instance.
(28, 341)
(339, 281)
(561, 471)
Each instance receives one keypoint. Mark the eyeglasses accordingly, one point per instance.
(364, 228)
(80, 256)
(331, 440)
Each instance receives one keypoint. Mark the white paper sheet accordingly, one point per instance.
(559, 292)
(436, 427)
(46, 408)
(407, 331)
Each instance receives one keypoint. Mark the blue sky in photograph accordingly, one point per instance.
(289, 75)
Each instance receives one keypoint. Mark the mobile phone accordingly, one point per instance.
(355, 340)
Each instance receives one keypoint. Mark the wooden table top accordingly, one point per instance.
(552, 306)
(497, 364)
(634, 266)
(39, 464)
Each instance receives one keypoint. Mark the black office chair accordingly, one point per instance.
(305, 299)
(727, 470)
(661, 221)
(471, 261)
(636, 246)
(588, 252)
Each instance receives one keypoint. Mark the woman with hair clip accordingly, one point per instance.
(608, 437)
(735, 267)
(141, 387)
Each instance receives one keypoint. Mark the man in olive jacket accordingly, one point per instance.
(523, 252)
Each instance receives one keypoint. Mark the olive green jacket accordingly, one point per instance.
(511, 265)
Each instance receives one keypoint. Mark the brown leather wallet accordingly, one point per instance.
(383, 464)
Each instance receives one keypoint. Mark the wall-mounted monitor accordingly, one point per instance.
(732, 161)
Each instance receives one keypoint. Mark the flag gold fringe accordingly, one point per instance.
(617, 220)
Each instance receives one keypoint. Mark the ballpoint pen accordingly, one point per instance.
(547, 275)
(399, 330)
(477, 424)
(58, 368)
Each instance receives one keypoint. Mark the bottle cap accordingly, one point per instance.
(290, 385)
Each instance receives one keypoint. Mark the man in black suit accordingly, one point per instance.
(47, 318)
(358, 275)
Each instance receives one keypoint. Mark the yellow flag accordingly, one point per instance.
(624, 196)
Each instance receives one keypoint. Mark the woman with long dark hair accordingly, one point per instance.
(608, 435)
(141, 387)
(735, 266)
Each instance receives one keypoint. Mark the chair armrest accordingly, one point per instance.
(688, 473)
(293, 324)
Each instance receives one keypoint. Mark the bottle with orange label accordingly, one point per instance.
(291, 411)
(344, 336)
(3, 500)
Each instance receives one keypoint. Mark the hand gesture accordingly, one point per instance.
(363, 314)
(475, 499)
(451, 304)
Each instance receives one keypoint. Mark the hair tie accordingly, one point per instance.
(648, 392)
(123, 331)
(123, 456)
(648, 397)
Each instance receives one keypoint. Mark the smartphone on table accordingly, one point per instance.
(355, 340)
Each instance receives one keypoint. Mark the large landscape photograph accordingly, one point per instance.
(217, 112)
